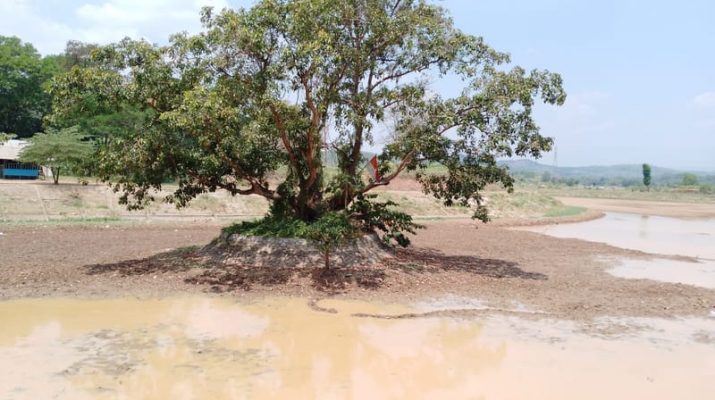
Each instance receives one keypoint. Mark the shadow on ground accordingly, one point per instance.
(231, 277)
(430, 260)
(227, 277)
(178, 260)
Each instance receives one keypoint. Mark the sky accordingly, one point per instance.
(640, 75)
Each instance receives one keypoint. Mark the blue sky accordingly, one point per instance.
(640, 74)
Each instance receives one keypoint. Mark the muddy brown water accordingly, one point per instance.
(691, 237)
(217, 348)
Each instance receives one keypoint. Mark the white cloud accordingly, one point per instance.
(141, 12)
(705, 101)
(584, 104)
(101, 22)
(20, 18)
(584, 113)
(581, 127)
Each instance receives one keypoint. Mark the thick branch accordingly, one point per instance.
(394, 8)
(284, 136)
(359, 129)
(314, 125)
(256, 188)
(386, 179)
(397, 75)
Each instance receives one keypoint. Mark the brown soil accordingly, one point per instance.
(564, 278)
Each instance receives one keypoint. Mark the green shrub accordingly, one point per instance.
(364, 215)
(333, 229)
(270, 226)
(689, 180)
(382, 218)
(707, 189)
(328, 232)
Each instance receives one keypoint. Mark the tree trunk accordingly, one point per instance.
(55, 174)
(307, 207)
(341, 201)
(327, 258)
(309, 201)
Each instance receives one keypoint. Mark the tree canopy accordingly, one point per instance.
(23, 100)
(689, 179)
(264, 92)
(646, 175)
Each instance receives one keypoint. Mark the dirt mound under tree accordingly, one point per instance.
(277, 252)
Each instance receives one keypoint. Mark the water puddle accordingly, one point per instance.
(661, 235)
(658, 235)
(213, 348)
(701, 273)
(453, 302)
(450, 302)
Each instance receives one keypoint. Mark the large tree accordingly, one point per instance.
(271, 88)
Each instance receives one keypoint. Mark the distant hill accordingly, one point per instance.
(626, 174)
(621, 175)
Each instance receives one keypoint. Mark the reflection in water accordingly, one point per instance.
(661, 235)
(208, 348)
(643, 233)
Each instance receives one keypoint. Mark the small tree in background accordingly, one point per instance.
(646, 176)
(689, 180)
(64, 149)
(4, 137)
